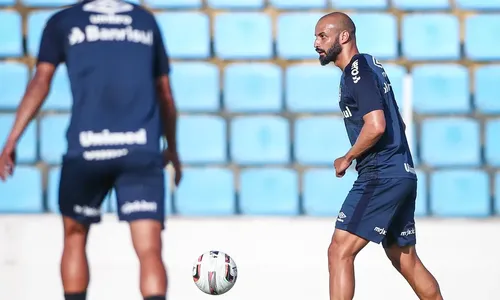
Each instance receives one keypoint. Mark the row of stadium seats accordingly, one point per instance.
(249, 35)
(272, 191)
(266, 88)
(251, 140)
(294, 4)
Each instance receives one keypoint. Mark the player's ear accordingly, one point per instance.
(344, 37)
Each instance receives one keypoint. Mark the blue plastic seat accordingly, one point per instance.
(53, 144)
(36, 23)
(199, 34)
(323, 193)
(440, 30)
(230, 4)
(497, 193)
(479, 44)
(396, 74)
(206, 192)
(202, 139)
(260, 140)
(13, 81)
(254, 87)
(450, 142)
(492, 142)
(243, 36)
(11, 34)
(487, 89)
(320, 140)
(47, 3)
(421, 4)
(368, 29)
(23, 192)
(478, 4)
(26, 148)
(421, 205)
(7, 2)
(297, 4)
(460, 193)
(204, 95)
(295, 35)
(60, 97)
(174, 3)
(269, 191)
(304, 88)
(359, 4)
(441, 89)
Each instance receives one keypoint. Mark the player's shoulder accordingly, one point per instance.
(361, 66)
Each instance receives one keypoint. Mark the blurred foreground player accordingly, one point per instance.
(122, 106)
(381, 205)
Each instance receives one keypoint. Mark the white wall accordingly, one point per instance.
(277, 259)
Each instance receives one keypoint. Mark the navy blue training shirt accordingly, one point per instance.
(365, 87)
(114, 53)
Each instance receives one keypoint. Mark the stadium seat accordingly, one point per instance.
(478, 42)
(199, 34)
(450, 142)
(377, 34)
(60, 97)
(260, 140)
(304, 88)
(487, 89)
(295, 35)
(36, 24)
(320, 140)
(156, 4)
(231, 4)
(202, 139)
(13, 81)
(196, 86)
(492, 142)
(323, 193)
(421, 207)
(359, 4)
(497, 193)
(441, 89)
(243, 35)
(16, 197)
(269, 192)
(414, 141)
(478, 4)
(7, 2)
(421, 30)
(253, 87)
(396, 74)
(421, 4)
(47, 3)
(11, 34)
(460, 193)
(297, 4)
(206, 192)
(53, 190)
(53, 144)
(26, 149)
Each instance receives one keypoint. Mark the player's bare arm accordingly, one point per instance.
(35, 95)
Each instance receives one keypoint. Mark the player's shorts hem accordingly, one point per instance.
(361, 235)
(131, 219)
(401, 245)
(87, 221)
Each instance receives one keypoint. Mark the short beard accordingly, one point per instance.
(332, 54)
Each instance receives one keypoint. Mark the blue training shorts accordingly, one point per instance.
(138, 181)
(381, 210)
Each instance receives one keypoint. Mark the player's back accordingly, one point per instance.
(365, 80)
(110, 48)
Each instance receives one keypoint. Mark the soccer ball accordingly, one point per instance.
(215, 273)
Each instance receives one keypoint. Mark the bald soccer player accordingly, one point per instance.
(381, 205)
(122, 105)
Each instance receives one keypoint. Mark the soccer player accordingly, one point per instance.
(381, 205)
(122, 106)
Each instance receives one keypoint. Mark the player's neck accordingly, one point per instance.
(346, 56)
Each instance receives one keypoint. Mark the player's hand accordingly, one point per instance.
(7, 162)
(341, 164)
(173, 157)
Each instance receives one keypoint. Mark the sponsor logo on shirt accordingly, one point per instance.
(355, 72)
(94, 33)
(107, 138)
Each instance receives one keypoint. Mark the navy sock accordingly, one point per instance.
(76, 296)
(156, 298)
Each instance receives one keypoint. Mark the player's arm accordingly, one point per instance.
(371, 105)
(51, 53)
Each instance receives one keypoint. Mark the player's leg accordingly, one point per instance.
(81, 192)
(141, 196)
(400, 249)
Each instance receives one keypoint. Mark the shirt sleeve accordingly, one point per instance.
(52, 44)
(161, 59)
(364, 87)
